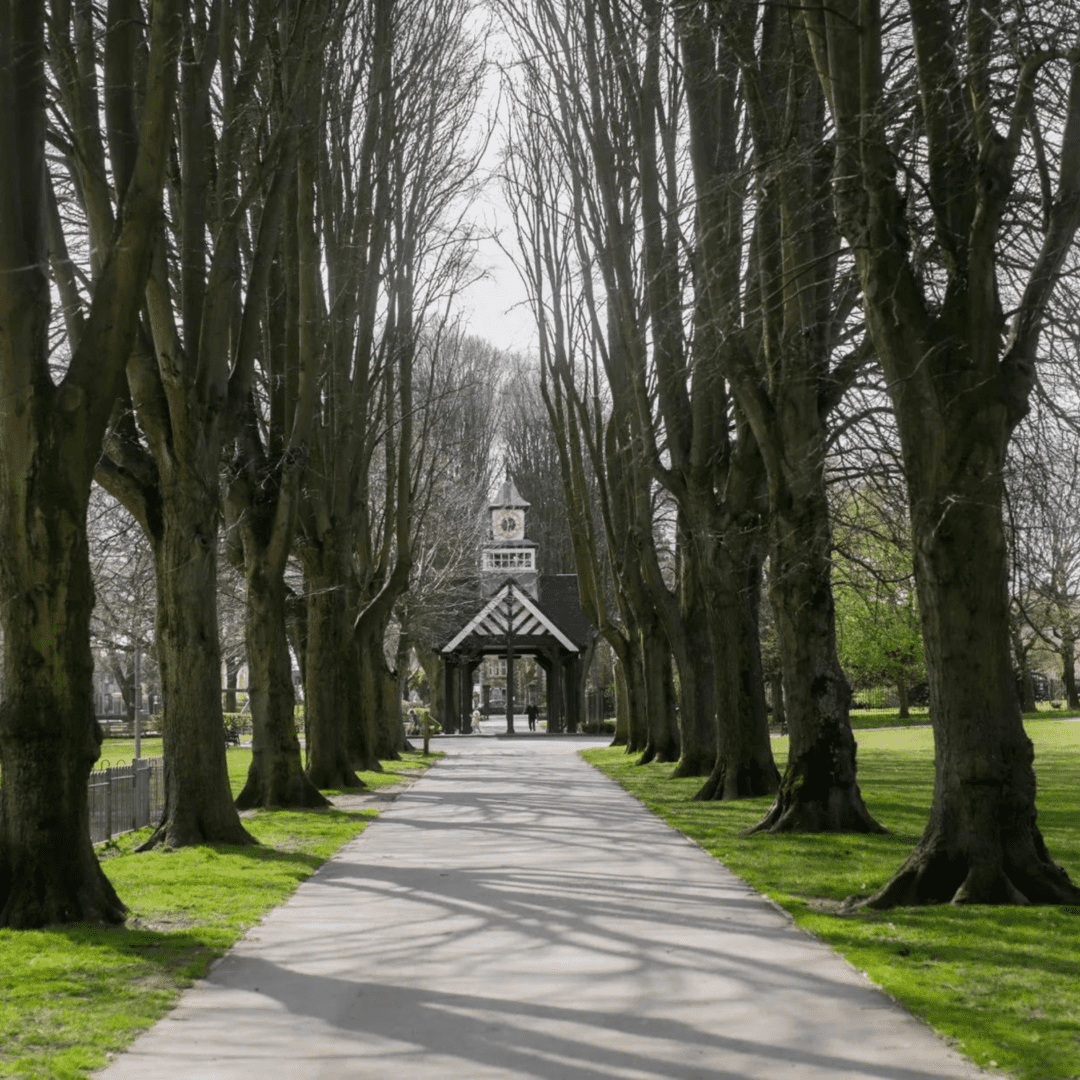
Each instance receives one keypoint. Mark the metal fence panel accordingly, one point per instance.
(125, 797)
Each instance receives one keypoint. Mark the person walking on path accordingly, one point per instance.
(515, 915)
(532, 711)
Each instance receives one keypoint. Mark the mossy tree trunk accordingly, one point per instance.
(49, 739)
(380, 701)
(268, 464)
(982, 843)
(199, 805)
(779, 369)
(819, 791)
(328, 651)
(960, 376)
(276, 775)
(192, 369)
(697, 681)
(690, 721)
(744, 766)
(622, 707)
(51, 431)
(662, 738)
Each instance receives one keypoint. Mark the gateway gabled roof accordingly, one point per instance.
(524, 615)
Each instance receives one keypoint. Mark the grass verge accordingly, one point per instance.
(861, 719)
(1001, 982)
(72, 997)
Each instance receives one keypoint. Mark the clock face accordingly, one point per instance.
(509, 524)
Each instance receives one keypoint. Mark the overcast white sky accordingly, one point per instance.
(495, 307)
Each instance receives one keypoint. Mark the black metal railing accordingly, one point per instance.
(125, 797)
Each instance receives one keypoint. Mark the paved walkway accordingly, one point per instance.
(514, 914)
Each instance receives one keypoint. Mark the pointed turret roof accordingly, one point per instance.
(509, 496)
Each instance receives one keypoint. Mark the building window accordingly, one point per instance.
(509, 560)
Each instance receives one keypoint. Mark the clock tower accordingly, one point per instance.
(508, 554)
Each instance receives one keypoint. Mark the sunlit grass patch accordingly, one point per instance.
(1001, 981)
(72, 996)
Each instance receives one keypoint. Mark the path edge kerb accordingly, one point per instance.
(372, 797)
(949, 1040)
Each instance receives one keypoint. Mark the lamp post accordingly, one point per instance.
(137, 694)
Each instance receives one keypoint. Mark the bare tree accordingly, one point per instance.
(53, 420)
(275, 417)
(608, 92)
(396, 166)
(449, 520)
(188, 373)
(1044, 481)
(532, 456)
(124, 589)
(927, 186)
(779, 344)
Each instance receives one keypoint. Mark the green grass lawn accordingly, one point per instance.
(72, 996)
(1003, 982)
(121, 751)
(880, 718)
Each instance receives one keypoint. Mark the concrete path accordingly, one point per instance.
(517, 915)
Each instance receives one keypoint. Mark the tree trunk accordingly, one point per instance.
(380, 702)
(819, 791)
(401, 690)
(1027, 689)
(125, 678)
(697, 675)
(779, 710)
(199, 807)
(960, 377)
(982, 844)
(326, 693)
(1068, 670)
(49, 739)
(697, 699)
(902, 697)
(50, 435)
(622, 705)
(662, 739)
(637, 736)
(744, 766)
(276, 775)
(360, 718)
(232, 671)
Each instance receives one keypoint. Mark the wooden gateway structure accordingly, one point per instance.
(520, 613)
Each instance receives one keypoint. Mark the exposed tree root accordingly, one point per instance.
(362, 763)
(694, 765)
(938, 872)
(339, 775)
(31, 898)
(176, 831)
(819, 792)
(839, 810)
(739, 780)
(294, 790)
(659, 754)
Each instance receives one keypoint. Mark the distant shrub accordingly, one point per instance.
(599, 727)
